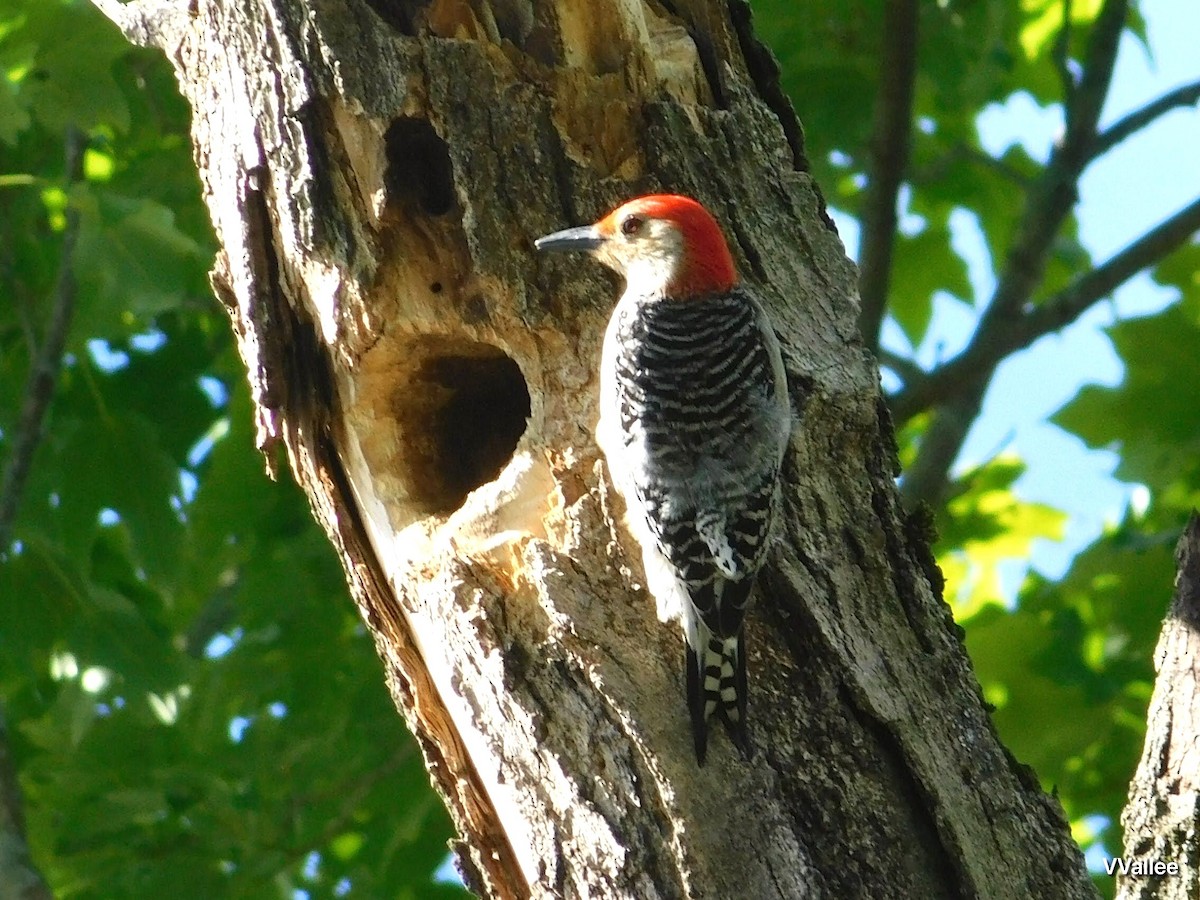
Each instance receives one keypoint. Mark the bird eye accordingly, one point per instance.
(632, 225)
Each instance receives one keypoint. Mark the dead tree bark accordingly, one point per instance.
(1162, 819)
(376, 171)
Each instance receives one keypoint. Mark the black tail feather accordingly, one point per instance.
(695, 701)
(731, 712)
(737, 729)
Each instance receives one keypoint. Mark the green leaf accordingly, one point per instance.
(131, 259)
(71, 79)
(1181, 270)
(1042, 29)
(1079, 645)
(114, 463)
(162, 385)
(1150, 417)
(984, 526)
(13, 117)
(124, 632)
(923, 265)
(67, 720)
(43, 594)
(16, 59)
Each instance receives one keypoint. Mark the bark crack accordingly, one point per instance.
(923, 802)
(764, 72)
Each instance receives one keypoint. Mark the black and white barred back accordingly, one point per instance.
(699, 391)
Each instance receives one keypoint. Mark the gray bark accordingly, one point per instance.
(1162, 818)
(376, 172)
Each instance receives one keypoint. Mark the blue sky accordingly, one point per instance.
(1123, 194)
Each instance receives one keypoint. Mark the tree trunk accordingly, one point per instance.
(376, 172)
(1162, 818)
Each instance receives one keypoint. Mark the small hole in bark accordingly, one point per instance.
(435, 288)
(399, 14)
(419, 169)
(461, 412)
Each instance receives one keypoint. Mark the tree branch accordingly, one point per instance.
(1184, 95)
(938, 169)
(1056, 192)
(1062, 57)
(889, 146)
(211, 620)
(907, 370)
(991, 345)
(43, 372)
(1071, 302)
(1046, 208)
(352, 791)
(1163, 812)
(925, 480)
(19, 877)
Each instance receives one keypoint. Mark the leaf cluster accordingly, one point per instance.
(191, 702)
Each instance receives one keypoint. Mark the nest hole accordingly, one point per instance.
(462, 412)
(419, 171)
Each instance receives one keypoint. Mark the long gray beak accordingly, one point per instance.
(585, 238)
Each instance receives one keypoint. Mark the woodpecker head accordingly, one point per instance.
(664, 245)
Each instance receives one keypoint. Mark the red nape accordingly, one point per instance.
(708, 266)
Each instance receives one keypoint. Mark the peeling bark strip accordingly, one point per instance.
(1163, 813)
(376, 172)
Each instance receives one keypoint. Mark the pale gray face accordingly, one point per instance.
(666, 245)
(649, 252)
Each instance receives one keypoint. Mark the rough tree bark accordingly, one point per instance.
(376, 171)
(1162, 818)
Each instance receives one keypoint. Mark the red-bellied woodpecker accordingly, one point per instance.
(694, 420)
